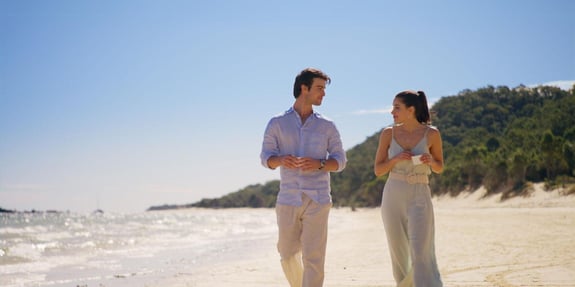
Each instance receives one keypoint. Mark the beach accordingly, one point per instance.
(480, 241)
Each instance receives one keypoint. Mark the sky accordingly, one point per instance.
(123, 105)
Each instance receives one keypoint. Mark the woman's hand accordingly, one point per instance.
(427, 159)
(404, 155)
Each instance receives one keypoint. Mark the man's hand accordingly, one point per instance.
(309, 164)
(290, 161)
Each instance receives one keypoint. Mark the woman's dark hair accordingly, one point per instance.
(306, 77)
(419, 102)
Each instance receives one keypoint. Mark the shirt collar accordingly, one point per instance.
(292, 110)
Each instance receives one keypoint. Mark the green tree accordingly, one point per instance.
(551, 149)
(499, 137)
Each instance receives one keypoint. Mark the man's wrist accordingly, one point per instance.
(321, 164)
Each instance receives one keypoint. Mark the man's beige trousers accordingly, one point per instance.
(302, 241)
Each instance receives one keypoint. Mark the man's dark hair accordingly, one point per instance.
(306, 77)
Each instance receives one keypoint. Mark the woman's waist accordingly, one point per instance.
(409, 177)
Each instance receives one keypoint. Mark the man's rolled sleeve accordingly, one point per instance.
(269, 146)
(336, 151)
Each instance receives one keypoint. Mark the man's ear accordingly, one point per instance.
(304, 88)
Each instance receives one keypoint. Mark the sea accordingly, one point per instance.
(114, 249)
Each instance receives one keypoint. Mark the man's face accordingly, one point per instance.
(315, 94)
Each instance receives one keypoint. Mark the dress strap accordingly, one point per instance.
(393, 134)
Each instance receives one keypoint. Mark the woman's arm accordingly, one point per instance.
(383, 164)
(436, 151)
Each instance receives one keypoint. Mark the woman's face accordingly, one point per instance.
(400, 112)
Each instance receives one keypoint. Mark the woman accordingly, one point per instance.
(409, 151)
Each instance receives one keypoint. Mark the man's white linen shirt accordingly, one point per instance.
(316, 138)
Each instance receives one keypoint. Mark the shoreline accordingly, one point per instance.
(480, 241)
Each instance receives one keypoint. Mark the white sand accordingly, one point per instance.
(479, 242)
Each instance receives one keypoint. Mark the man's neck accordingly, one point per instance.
(303, 110)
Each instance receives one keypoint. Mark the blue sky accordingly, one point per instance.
(121, 105)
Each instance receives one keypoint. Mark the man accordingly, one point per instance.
(307, 147)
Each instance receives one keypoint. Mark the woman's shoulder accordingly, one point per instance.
(386, 134)
(432, 129)
(388, 131)
(433, 134)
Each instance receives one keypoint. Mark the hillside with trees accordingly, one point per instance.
(496, 137)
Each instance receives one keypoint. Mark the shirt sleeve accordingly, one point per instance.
(270, 145)
(335, 149)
